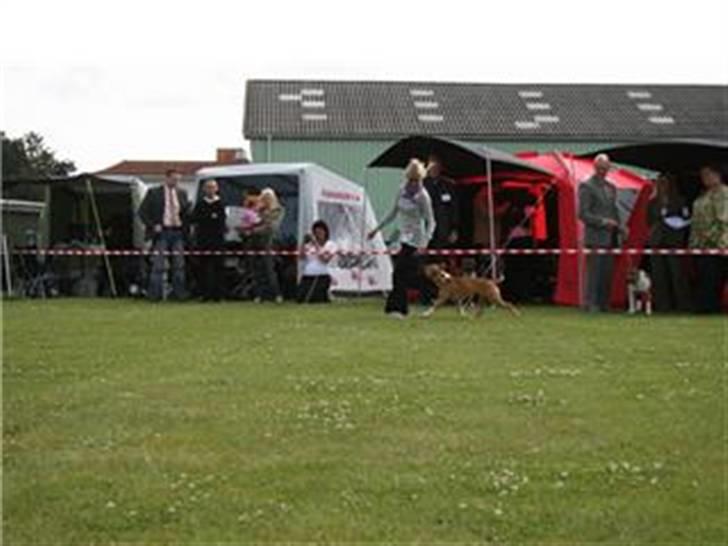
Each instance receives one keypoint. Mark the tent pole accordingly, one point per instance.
(363, 227)
(581, 258)
(491, 219)
(100, 231)
(6, 263)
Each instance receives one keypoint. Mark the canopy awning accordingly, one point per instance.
(459, 159)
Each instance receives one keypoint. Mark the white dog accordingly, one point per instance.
(639, 290)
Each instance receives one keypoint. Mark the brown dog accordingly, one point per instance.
(461, 289)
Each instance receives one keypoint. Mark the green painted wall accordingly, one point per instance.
(349, 158)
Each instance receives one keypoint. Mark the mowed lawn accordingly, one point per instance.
(126, 421)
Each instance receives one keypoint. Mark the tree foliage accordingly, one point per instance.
(29, 157)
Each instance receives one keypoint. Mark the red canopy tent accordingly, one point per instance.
(569, 171)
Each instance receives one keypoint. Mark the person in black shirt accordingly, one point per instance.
(208, 217)
(446, 209)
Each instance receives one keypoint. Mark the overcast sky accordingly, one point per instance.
(106, 81)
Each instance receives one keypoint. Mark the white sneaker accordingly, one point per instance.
(396, 315)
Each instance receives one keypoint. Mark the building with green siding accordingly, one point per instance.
(343, 125)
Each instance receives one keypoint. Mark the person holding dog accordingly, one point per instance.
(602, 230)
(417, 224)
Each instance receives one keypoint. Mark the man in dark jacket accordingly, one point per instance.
(164, 212)
(446, 210)
(598, 212)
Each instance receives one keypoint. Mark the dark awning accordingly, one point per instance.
(459, 159)
(668, 156)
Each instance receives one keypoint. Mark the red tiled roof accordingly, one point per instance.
(138, 168)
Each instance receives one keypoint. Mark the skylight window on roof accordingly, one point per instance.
(530, 94)
(313, 104)
(312, 92)
(639, 94)
(538, 106)
(289, 97)
(430, 118)
(649, 107)
(524, 125)
(546, 119)
(422, 92)
(314, 117)
(662, 120)
(426, 105)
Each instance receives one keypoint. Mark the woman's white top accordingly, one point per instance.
(416, 220)
(313, 265)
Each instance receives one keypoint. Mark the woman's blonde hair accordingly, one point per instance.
(415, 170)
(269, 199)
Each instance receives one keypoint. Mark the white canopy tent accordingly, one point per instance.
(309, 193)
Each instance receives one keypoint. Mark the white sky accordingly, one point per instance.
(155, 79)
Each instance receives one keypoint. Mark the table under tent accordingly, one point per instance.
(308, 192)
(85, 212)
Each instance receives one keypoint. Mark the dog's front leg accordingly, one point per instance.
(437, 303)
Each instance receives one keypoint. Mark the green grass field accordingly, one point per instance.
(188, 423)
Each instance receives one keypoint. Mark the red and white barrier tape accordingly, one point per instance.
(431, 252)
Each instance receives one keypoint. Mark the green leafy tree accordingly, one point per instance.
(29, 158)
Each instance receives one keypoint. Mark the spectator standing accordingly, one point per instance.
(263, 234)
(598, 212)
(164, 211)
(710, 231)
(209, 219)
(668, 217)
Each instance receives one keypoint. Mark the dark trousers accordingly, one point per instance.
(169, 240)
(711, 274)
(211, 277)
(669, 283)
(314, 289)
(518, 277)
(406, 275)
(598, 281)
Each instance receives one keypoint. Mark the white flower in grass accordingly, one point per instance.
(498, 512)
(463, 505)
(171, 509)
(111, 504)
